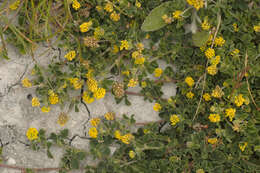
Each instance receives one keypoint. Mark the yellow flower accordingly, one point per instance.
(147, 36)
(212, 70)
(124, 45)
(115, 49)
(189, 81)
(117, 134)
(158, 72)
(157, 107)
(95, 121)
(62, 119)
(14, 5)
(219, 41)
(196, 3)
(217, 92)
(70, 55)
(77, 84)
(35, 102)
(110, 116)
(230, 112)
(257, 28)
(225, 84)
(137, 4)
(174, 119)
(45, 109)
(26, 83)
(167, 19)
(86, 98)
(206, 97)
(202, 48)
(140, 47)
(235, 52)
(32, 134)
(84, 27)
(242, 147)
(139, 60)
(92, 84)
(235, 27)
(53, 98)
(126, 73)
(76, 4)
(99, 32)
(177, 14)
(115, 16)
(93, 133)
(98, 8)
(132, 83)
(210, 53)
(212, 140)
(144, 84)
(127, 138)
(99, 93)
(135, 54)
(189, 95)
(205, 25)
(131, 154)
(215, 61)
(239, 100)
(108, 7)
(214, 118)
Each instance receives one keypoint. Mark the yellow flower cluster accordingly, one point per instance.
(115, 49)
(158, 72)
(205, 24)
(87, 98)
(157, 107)
(100, 93)
(26, 83)
(77, 84)
(177, 14)
(206, 97)
(132, 82)
(217, 92)
(124, 45)
(84, 27)
(53, 98)
(35, 102)
(95, 121)
(70, 55)
(215, 61)
(214, 118)
(131, 154)
(108, 7)
(212, 141)
(138, 4)
(140, 47)
(190, 95)
(235, 27)
(117, 134)
(125, 138)
(75, 4)
(243, 146)
(167, 19)
(212, 70)
(257, 28)
(139, 60)
(14, 5)
(230, 112)
(115, 16)
(144, 84)
(196, 3)
(235, 52)
(239, 100)
(92, 84)
(210, 53)
(45, 109)
(189, 81)
(174, 119)
(110, 116)
(219, 41)
(32, 134)
(99, 32)
(93, 133)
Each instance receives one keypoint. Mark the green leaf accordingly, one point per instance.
(74, 164)
(154, 20)
(64, 133)
(81, 155)
(49, 154)
(200, 38)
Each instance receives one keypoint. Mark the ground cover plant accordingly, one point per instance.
(212, 50)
